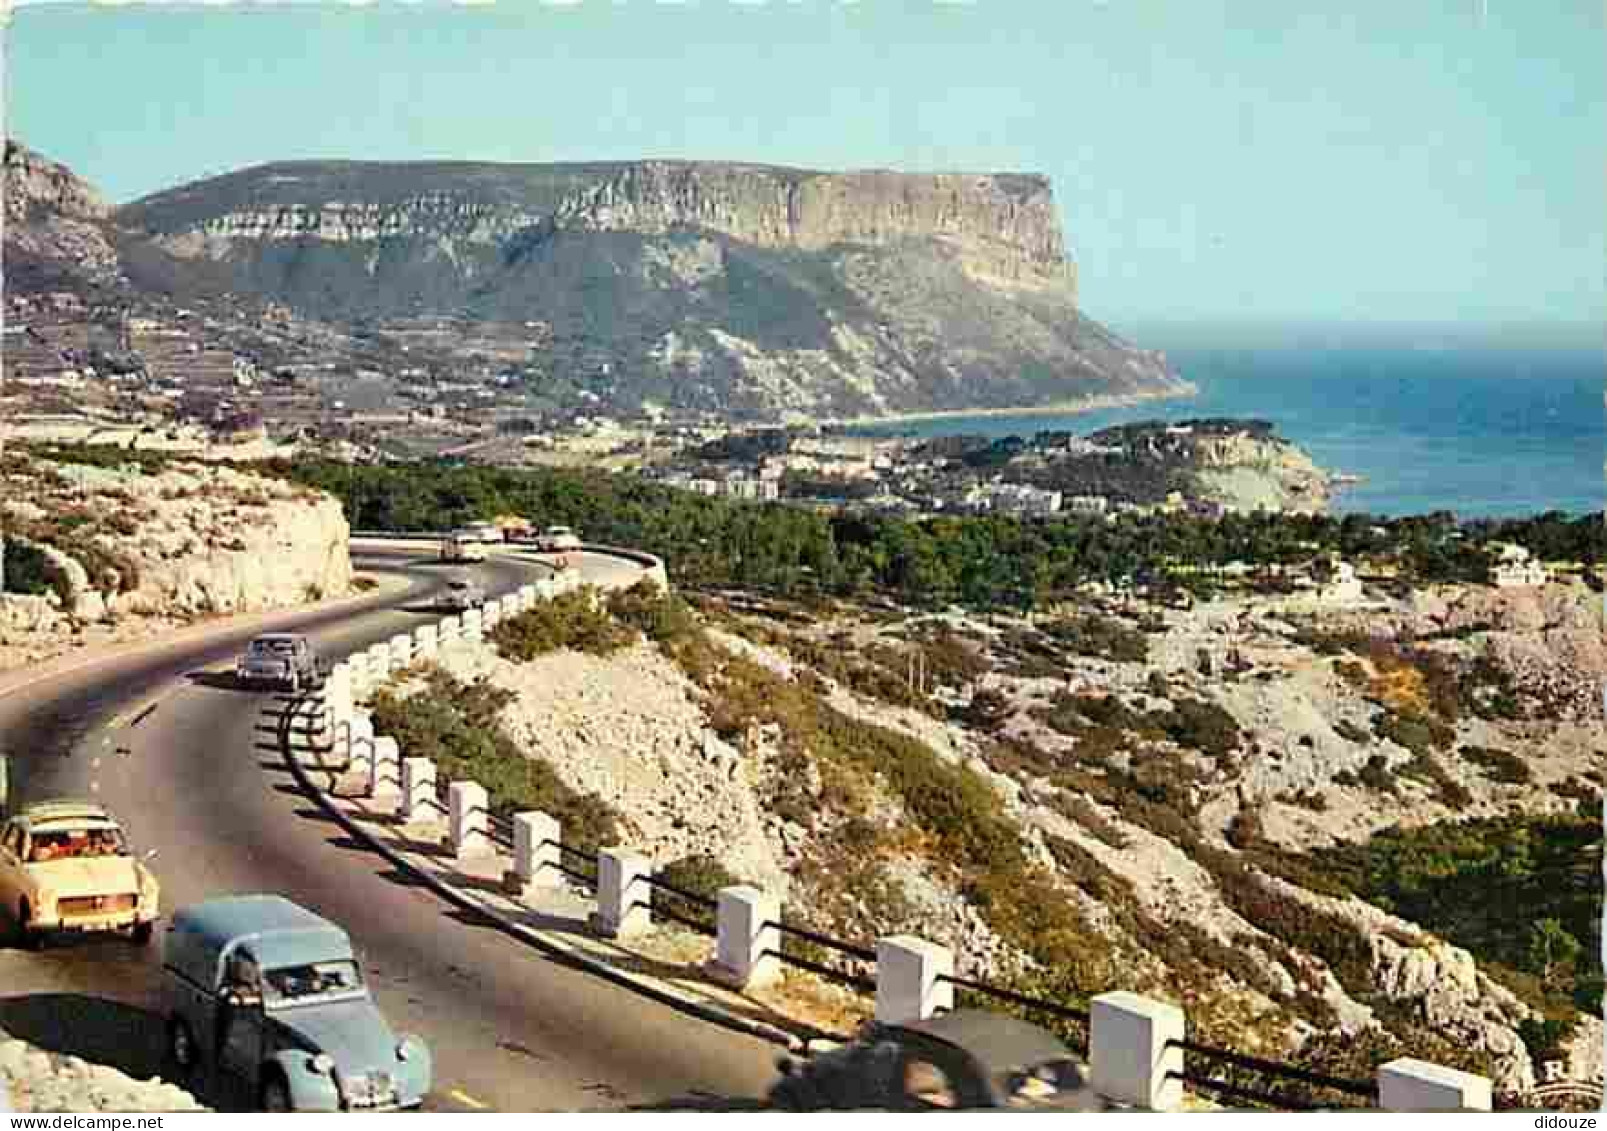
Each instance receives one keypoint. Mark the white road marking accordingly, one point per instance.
(464, 1098)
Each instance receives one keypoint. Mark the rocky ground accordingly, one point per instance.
(39, 1081)
(1309, 769)
(108, 555)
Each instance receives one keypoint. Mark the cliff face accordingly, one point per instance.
(54, 222)
(1005, 223)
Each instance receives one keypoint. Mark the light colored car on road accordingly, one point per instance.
(273, 994)
(483, 531)
(66, 866)
(558, 540)
(461, 547)
(279, 659)
(462, 594)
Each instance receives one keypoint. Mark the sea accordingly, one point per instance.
(1480, 432)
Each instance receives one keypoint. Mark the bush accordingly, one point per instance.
(653, 611)
(1498, 765)
(1204, 726)
(574, 620)
(28, 570)
(456, 725)
(700, 875)
(1244, 830)
(1100, 637)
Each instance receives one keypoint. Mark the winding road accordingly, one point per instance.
(193, 767)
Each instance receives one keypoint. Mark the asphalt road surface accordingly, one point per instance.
(193, 767)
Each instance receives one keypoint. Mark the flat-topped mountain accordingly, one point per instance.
(746, 289)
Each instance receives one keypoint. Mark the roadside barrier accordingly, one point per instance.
(1137, 1048)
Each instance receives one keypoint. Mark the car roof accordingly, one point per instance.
(276, 637)
(999, 1044)
(63, 809)
(279, 933)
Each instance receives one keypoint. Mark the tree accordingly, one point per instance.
(1552, 950)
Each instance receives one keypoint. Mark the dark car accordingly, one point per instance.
(280, 659)
(964, 1060)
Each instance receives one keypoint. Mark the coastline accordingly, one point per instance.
(1059, 408)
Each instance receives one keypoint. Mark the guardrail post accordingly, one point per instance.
(747, 936)
(912, 979)
(468, 808)
(401, 647)
(491, 614)
(546, 588)
(379, 663)
(385, 776)
(424, 643)
(527, 597)
(357, 664)
(361, 737)
(536, 853)
(623, 893)
(448, 630)
(338, 706)
(1130, 1059)
(418, 805)
(1408, 1084)
(473, 625)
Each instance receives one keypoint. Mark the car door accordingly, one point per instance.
(240, 1018)
(11, 865)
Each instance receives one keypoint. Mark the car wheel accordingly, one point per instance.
(275, 1094)
(141, 934)
(181, 1045)
(28, 940)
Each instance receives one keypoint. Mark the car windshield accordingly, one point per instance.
(273, 647)
(76, 844)
(295, 983)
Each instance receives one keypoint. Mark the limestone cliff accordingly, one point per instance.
(189, 540)
(746, 289)
(54, 222)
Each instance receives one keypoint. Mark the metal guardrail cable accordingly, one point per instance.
(1222, 1087)
(1366, 1090)
(589, 881)
(1019, 999)
(682, 893)
(864, 954)
(868, 985)
(565, 850)
(700, 926)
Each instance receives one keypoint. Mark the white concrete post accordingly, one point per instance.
(527, 597)
(401, 646)
(385, 777)
(469, 811)
(535, 851)
(473, 626)
(748, 936)
(546, 589)
(448, 630)
(1408, 1084)
(418, 805)
(424, 643)
(338, 706)
(357, 664)
(491, 614)
(911, 978)
(361, 734)
(379, 662)
(623, 894)
(1128, 1057)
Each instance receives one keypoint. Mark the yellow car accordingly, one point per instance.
(66, 866)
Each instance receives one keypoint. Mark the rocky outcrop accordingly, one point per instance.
(39, 1081)
(1245, 472)
(54, 221)
(188, 541)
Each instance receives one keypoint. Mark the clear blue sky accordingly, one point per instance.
(1243, 161)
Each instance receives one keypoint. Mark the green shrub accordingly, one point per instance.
(575, 620)
(1498, 765)
(653, 611)
(28, 570)
(1203, 726)
(1350, 732)
(700, 875)
(1100, 637)
(456, 725)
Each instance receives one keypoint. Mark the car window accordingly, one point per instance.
(289, 983)
(273, 647)
(927, 1085)
(77, 844)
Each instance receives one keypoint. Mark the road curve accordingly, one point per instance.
(193, 767)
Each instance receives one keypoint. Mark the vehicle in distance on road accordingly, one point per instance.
(462, 594)
(483, 531)
(272, 993)
(462, 547)
(558, 540)
(279, 659)
(66, 866)
(962, 1060)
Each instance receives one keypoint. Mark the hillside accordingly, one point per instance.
(747, 290)
(1075, 805)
